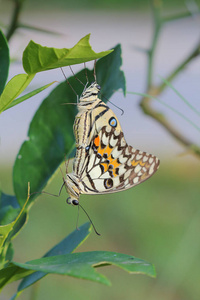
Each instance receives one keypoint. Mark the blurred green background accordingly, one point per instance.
(159, 220)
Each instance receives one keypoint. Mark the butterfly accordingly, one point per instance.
(104, 162)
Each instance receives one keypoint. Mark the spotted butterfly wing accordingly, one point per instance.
(104, 162)
(111, 165)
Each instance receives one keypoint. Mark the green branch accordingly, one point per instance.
(154, 91)
(15, 18)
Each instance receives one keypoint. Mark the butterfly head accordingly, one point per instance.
(71, 184)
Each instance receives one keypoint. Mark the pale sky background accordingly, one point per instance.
(108, 29)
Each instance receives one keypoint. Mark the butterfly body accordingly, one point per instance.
(104, 162)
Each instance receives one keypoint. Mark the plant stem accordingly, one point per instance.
(154, 91)
(147, 109)
(182, 65)
(15, 17)
(156, 5)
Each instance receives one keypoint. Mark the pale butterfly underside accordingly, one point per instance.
(104, 162)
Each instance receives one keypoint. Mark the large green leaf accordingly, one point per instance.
(82, 265)
(4, 61)
(37, 58)
(50, 133)
(67, 245)
(50, 139)
(13, 89)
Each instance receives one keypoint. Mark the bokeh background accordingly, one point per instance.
(158, 220)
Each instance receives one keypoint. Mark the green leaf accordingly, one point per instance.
(37, 58)
(50, 139)
(29, 95)
(4, 61)
(82, 265)
(9, 208)
(12, 273)
(67, 245)
(13, 89)
(51, 134)
(111, 78)
(11, 211)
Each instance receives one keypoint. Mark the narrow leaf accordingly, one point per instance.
(13, 89)
(37, 58)
(29, 95)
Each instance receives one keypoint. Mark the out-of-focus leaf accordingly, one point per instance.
(37, 58)
(68, 245)
(9, 252)
(13, 89)
(4, 61)
(29, 95)
(51, 130)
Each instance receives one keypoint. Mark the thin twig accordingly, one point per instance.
(156, 6)
(15, 18)
(154, 91)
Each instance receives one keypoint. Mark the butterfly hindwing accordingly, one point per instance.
(112, 165)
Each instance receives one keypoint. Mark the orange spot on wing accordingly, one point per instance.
(105, 166)
(98, 146)
(136, 162)
(97, 141)
(108, 151)
(115, 163)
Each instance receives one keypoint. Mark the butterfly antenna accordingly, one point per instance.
(115, 105)
(70, 85)
(89, 219)
(77, 228)
(76, 76)
(94, 74)
(86, 75)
